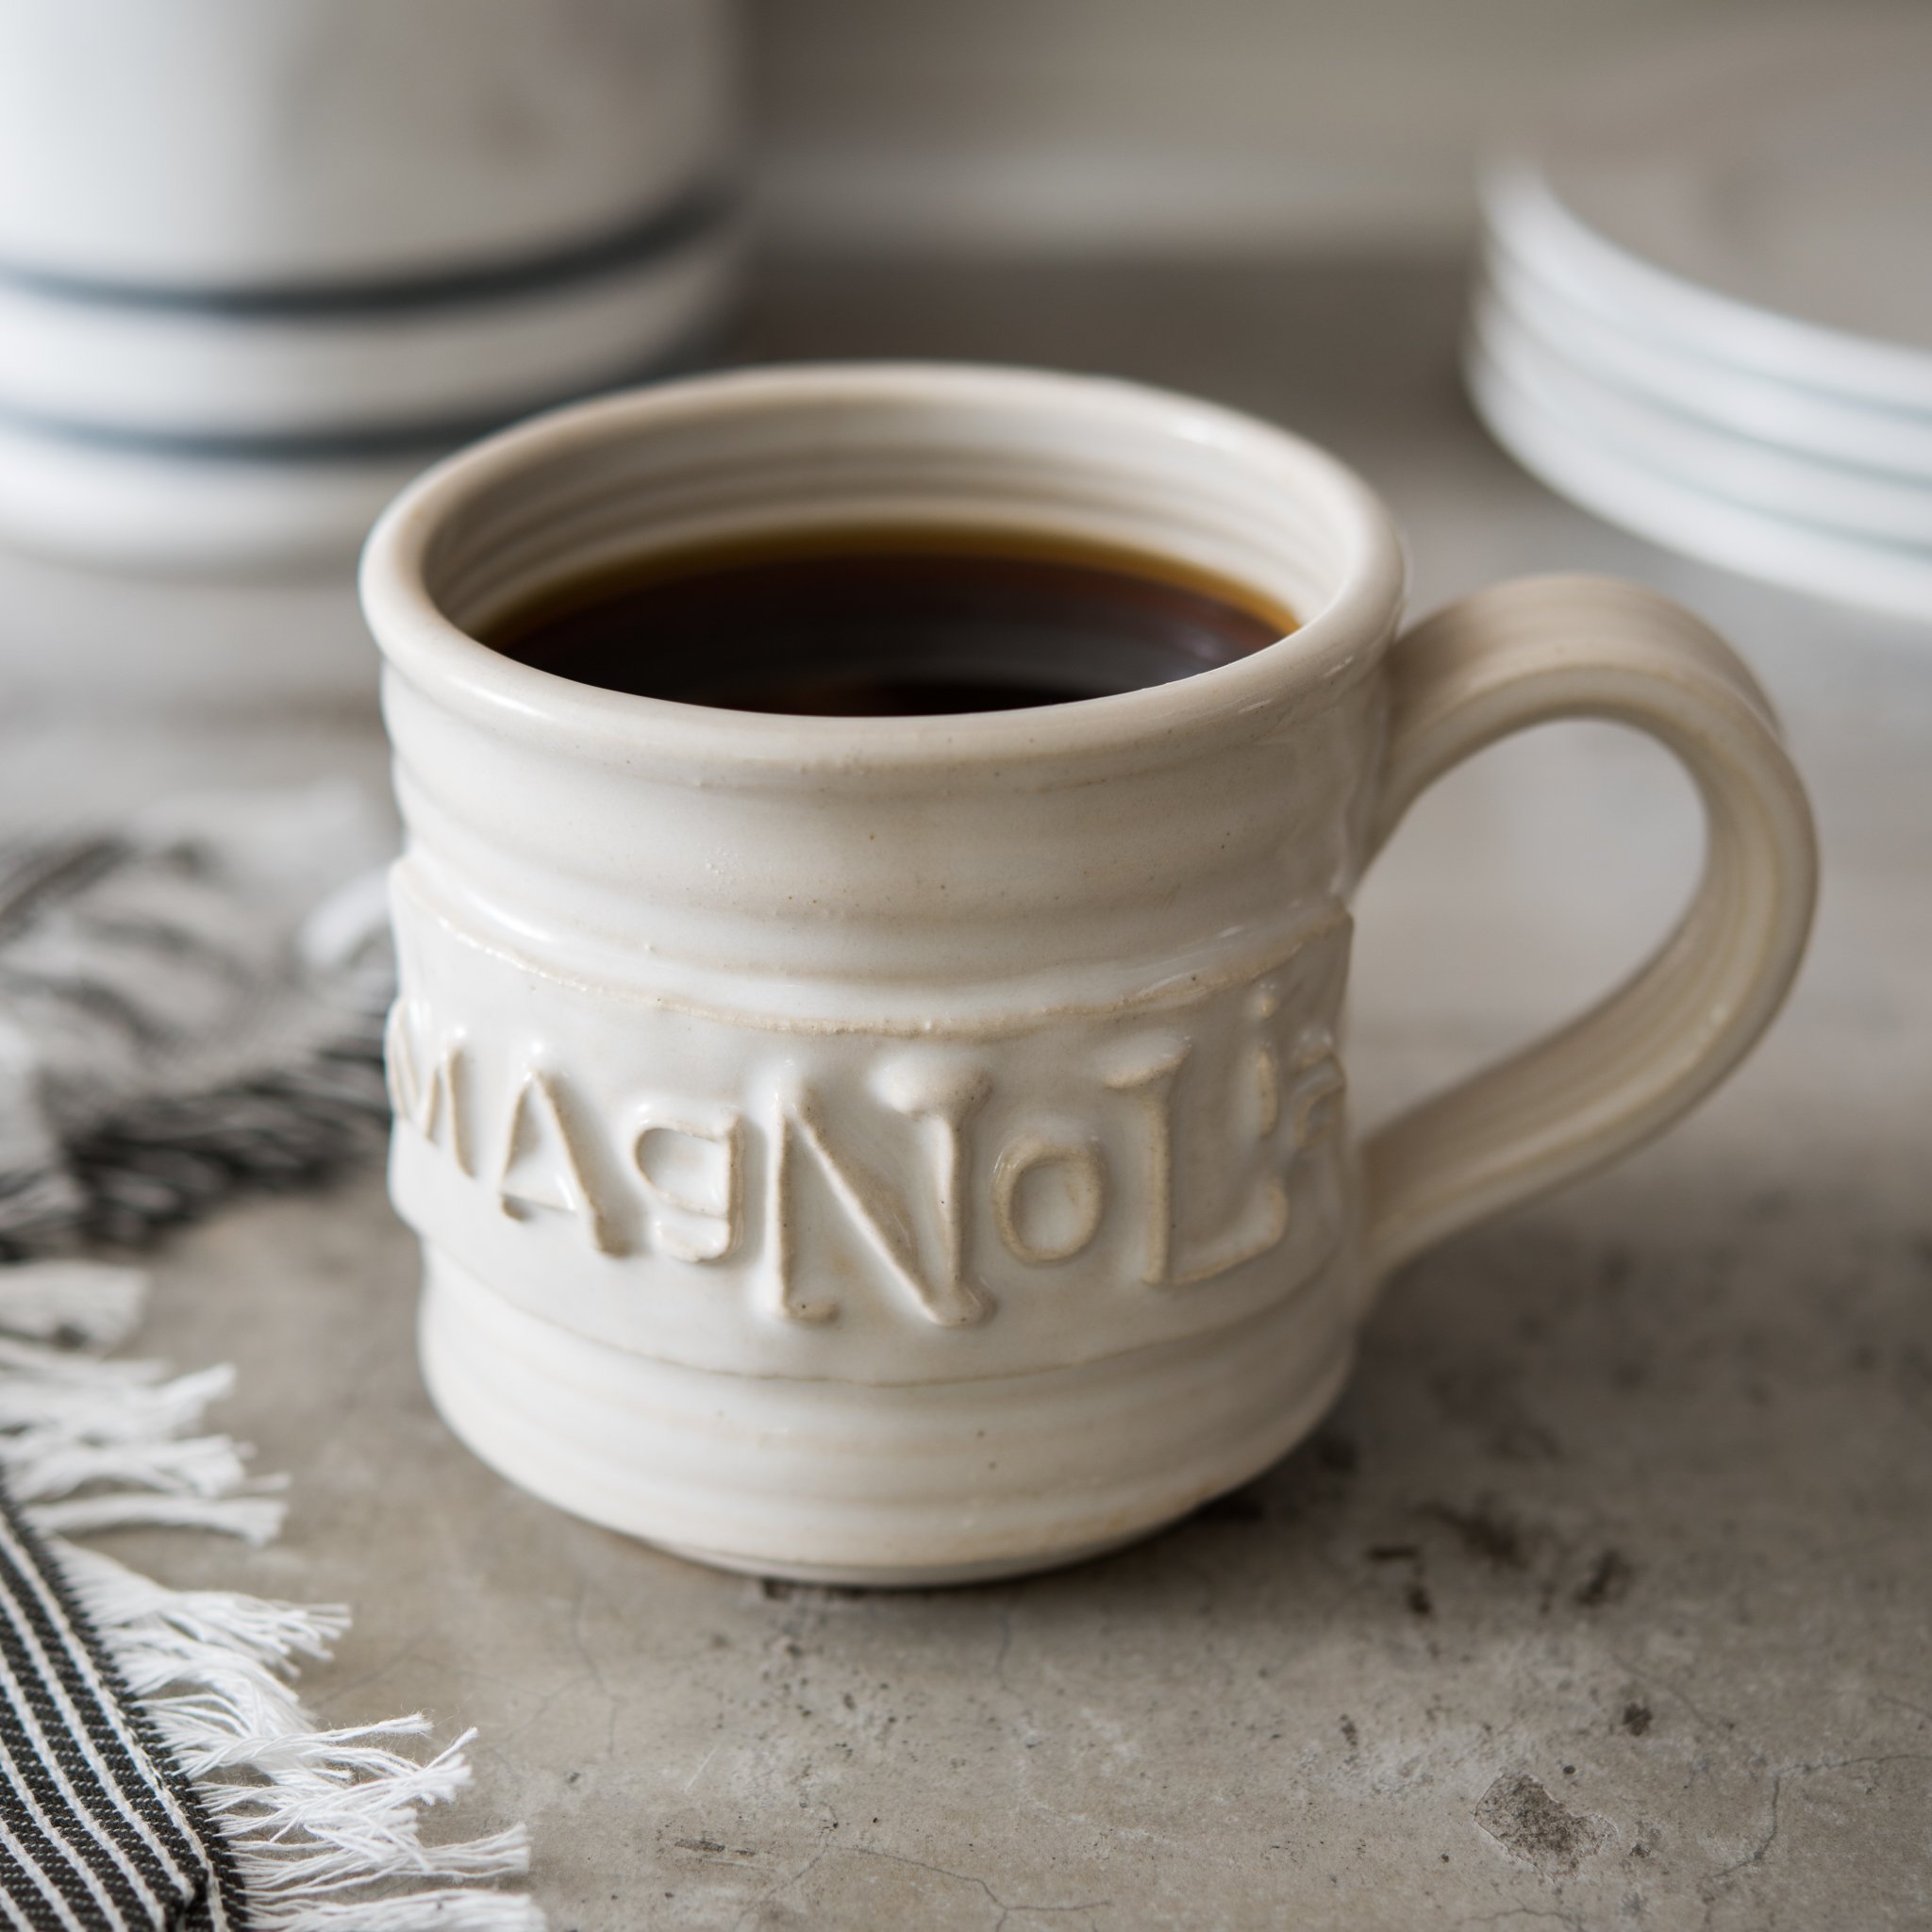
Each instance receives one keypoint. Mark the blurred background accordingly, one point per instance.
(1242, 126)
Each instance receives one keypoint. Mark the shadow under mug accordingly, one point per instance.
(907, 1150)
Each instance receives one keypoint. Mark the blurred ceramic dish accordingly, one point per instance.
(1735, 469)
(258, 265)
(1763, 198)
(1659, 506)
(1566, 314)
(1523, 206)
(1707, 306)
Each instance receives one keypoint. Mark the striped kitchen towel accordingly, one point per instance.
(156, 1768)
(191, 1006)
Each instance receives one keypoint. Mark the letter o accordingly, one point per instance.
(1048, 1197)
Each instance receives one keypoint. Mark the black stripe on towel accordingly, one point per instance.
(100, 1831)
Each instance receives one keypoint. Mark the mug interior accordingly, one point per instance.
(590, 491)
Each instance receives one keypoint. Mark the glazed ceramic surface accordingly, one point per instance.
(258, 264)
(904, 1150)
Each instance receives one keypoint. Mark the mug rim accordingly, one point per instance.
(1331, 648)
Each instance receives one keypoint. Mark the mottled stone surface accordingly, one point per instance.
(1603, 1596)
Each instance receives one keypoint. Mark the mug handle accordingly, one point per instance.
(1527, 652)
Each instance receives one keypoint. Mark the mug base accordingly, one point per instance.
(867, 1485)
(917, 1576)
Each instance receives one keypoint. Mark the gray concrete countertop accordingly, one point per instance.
(1601, 1599)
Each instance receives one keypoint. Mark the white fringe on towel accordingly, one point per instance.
(324, 1825)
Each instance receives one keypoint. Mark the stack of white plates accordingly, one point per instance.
(1706, 309)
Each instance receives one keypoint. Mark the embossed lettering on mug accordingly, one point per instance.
(1162, 1146)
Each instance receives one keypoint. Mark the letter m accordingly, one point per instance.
(425, 1087)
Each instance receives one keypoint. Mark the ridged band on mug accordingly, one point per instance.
(882, 1485)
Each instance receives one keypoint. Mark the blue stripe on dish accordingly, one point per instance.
(354, 442)
(700, 212)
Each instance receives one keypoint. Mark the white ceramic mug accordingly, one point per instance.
(903, 1150)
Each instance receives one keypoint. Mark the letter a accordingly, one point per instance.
(541, 1167)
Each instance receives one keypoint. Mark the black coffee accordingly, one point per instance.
(887, 623)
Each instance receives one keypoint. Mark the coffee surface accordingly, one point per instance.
(881, 624)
